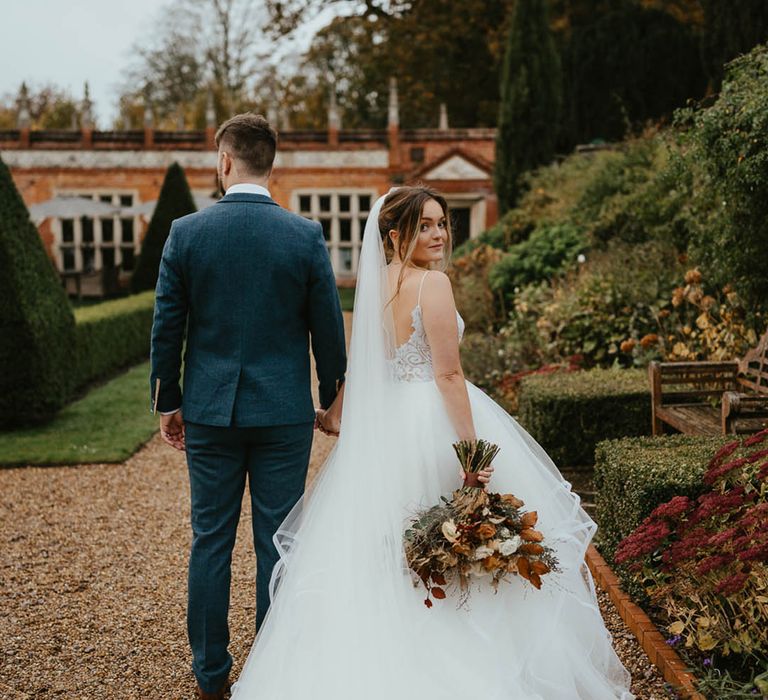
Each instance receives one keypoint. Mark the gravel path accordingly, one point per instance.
(93, 582)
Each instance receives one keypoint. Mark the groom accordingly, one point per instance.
(251, 284)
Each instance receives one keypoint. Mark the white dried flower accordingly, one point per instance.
(581, 258)
(450, 532)
(510, 546)
(482, 552)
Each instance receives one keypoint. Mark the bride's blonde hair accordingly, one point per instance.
(401, 212)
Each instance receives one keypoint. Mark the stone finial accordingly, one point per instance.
(210, 110)
(23, 118)
(149, 117)
(86, 110)
(334, 118)
(272, 115)
(393, 118)
(285, 118)
(443, 124)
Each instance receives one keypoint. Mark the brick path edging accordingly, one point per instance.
(661, 655)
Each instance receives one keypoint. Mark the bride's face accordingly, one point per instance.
(432, 236)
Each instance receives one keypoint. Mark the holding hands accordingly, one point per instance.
(327, 422)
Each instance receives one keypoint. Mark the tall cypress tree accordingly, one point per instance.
(175, 201)
(731, 29)
(37, 328)
(531, 98)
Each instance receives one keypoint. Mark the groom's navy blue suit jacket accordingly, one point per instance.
(251, 283)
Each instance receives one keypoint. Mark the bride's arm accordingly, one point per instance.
(441, 326)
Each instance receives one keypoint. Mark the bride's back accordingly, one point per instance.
(405, 301)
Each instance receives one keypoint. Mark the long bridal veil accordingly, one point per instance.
(346, 619)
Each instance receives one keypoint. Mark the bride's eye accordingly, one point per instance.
(442, 224)
(424, 228)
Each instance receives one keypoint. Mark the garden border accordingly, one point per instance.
(661, 655)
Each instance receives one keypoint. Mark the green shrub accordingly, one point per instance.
(545, 254)
(727, 150)
(568, 414)
(174, 202)
(112, 335)
(36, 324)
(634, 475)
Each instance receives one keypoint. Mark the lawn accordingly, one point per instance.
(347, 297)
(107, 425)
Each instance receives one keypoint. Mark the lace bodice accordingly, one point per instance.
(413, 359)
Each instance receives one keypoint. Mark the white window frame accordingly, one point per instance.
(355, 215)
(477, 210)
(98, 243)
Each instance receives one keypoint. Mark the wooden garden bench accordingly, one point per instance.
(712, 398)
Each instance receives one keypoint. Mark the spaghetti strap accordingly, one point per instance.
(424, 276)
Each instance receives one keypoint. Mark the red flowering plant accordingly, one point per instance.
(704, 562)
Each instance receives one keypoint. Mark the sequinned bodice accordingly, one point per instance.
(413, 359)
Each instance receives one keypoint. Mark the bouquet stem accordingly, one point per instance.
(474, 456)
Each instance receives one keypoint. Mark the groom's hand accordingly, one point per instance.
(172, 430)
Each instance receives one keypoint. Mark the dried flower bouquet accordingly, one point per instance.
(475, 534)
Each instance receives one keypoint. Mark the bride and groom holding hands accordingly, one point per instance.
(251, 288)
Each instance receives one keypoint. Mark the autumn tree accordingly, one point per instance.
(529, 115)
(199, 45)
(50, 107)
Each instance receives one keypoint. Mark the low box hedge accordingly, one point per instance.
(569, 413)
(112, 335)
(634, 475)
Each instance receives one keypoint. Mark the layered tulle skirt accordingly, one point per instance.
(347, 621)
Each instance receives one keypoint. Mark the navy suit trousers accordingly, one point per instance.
(275, 460)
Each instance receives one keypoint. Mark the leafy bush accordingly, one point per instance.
(703, 559)
(112, 335)
(474, 297)
(699, 324)
(36, 324)
(545, 254)
(635, 475)
(727, 152)
(616, 295)
(175, 201)
(568, 414)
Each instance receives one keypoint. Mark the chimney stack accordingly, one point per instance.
(393, 124)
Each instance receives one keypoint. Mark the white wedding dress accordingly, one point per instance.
(347, 622)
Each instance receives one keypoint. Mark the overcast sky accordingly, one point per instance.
(67, 42)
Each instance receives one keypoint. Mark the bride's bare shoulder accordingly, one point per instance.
(437, 290)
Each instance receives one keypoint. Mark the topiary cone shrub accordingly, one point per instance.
(175, 201)
(37, 328)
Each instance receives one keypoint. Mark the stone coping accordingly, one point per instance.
(661, 654)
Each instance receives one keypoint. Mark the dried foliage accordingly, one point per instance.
(475, 535)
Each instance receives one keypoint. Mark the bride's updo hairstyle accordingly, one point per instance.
(401, 211)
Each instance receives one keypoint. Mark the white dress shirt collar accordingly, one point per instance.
(248, 188)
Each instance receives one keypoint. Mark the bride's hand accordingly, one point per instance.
(326, 423)
(484, 475)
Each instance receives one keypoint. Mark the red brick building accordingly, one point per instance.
(332, 176)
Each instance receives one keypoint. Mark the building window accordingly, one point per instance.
(88, 244)
(342, 215)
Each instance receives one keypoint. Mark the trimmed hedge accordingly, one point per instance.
(569, 413)
(112, 335)
(36, 325)
(175, 201)
(634, 475)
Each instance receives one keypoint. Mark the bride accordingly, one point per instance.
(347, 621)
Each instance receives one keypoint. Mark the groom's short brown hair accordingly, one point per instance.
(249, 138)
